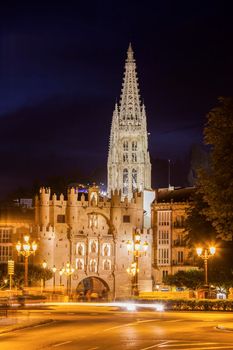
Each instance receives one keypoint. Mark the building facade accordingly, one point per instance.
(91, 232)
(15, 222)
(129, 167)
(170, 251)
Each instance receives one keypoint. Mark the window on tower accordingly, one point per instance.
(134, 146)
(125, 146)
(61, 219)
(125, 157)
(134, 157)
(125, 181)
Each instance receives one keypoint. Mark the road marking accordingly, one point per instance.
(121, 326)
(93, 348)
(178, 320)
(144, 321)
(153, 346)
(197, 348)
(203, 348)
(186, 343)
(63, 343)
(130, 324)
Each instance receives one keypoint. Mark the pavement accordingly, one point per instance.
(15, 319)
(12, 320)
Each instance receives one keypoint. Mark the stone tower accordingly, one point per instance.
(129, 167)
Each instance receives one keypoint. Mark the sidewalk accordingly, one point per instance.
(15, 321)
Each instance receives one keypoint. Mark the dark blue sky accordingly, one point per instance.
(61, 69)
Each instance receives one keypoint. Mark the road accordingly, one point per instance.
(109, 328)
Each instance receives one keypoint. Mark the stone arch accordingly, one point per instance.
(93, 287)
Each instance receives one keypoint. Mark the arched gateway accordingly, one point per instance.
(93, 288)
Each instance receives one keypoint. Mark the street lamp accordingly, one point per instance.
(44, 265)
(205, 254)
(69, 270)
(26, 249)
(54, 269)
(61, 271)
(137, 248)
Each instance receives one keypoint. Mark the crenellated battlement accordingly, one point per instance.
(45, 190)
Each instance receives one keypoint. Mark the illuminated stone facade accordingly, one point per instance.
(170, 252)
(129, 167)
(91, 232)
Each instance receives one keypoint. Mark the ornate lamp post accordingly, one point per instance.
(69, 270)
(26, 249)
(137, 248)
(61, 271)
(54, 269)
(205, 254)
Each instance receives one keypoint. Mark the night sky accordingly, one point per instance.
(61, 70)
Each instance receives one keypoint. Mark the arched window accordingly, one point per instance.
(134, 179)
(134, 157)
(125, 157)
(125, 181)
(134, 146)
(125, 146)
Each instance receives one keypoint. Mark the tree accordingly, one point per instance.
(198, 228)
(216, 185)
(191, 279)
(35, 274)
(218, 276)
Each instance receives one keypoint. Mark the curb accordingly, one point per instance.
(223, 328)
(29, 325)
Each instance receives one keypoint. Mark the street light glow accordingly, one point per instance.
(212, 250)
(26, 249)
(199, 251)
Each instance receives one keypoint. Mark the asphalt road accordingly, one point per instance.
(95, 328)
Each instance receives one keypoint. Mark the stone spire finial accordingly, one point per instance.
(130, 53)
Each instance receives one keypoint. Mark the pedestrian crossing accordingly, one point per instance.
(193, 345)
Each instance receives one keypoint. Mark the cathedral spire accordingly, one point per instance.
(129, 167)
(130, 98)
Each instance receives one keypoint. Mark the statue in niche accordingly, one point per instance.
(80, 249)
(93, 247)
(93, 266)
(106, 250)
(106, 265)
(80, 264)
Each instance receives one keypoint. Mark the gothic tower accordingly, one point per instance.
(129, 167)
